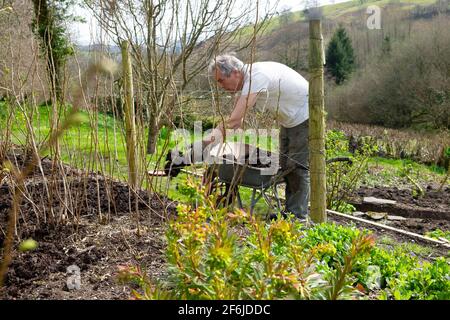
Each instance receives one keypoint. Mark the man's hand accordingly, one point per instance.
(196, 149)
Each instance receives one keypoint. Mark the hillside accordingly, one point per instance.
(285, 38)
(342, 11)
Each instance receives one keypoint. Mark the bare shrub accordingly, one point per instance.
(20, 66)
(408, 88)
(425, 147)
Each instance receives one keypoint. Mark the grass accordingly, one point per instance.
(400, 163)
(97, 144)
(388, 172)
(98, 140)
(335, 10)
(406, 248)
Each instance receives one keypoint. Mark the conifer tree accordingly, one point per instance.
(340, 59)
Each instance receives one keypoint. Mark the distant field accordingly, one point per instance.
(336, 10)
(339, 9)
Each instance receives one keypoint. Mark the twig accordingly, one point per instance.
(418, 187)
(85, 250)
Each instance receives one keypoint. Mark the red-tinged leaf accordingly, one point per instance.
(360, 288)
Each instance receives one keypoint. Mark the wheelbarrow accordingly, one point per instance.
(263, 180)
(232, 168)
(232, 165)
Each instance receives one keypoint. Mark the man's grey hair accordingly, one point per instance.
(226, 63)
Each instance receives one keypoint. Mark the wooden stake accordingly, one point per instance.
(130, 126)
(317, 123)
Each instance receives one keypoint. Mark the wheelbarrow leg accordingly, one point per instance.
(275, 193)
(253, 201)
(238, 196)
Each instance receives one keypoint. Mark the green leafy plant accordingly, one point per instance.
(343, 177)
(407, 171)
(217, 254)
(426, 281)
(399, 274)
(214, 253)
(438, 234)
(403, 276)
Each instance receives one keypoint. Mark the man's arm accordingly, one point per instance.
(241, 105)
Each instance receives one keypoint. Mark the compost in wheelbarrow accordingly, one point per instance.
(229, 152)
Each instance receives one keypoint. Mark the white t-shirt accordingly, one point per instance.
(282, 91)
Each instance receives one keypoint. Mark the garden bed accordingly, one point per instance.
(97, 249)
(421, 214)
(99, 246)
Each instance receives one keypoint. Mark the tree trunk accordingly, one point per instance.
(317, 123)
(152, 134)
(45, 26)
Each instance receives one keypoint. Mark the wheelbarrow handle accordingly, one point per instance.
(281, 174)
(340, 159)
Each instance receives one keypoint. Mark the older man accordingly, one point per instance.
(280, 90)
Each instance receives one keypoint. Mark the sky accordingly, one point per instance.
(300, 4)
(82, 32)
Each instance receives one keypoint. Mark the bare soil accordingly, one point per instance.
(94, 231)
(98, 233)
(423, 214)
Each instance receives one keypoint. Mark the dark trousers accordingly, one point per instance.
(294, 150)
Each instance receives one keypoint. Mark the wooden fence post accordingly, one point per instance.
(317, 122)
